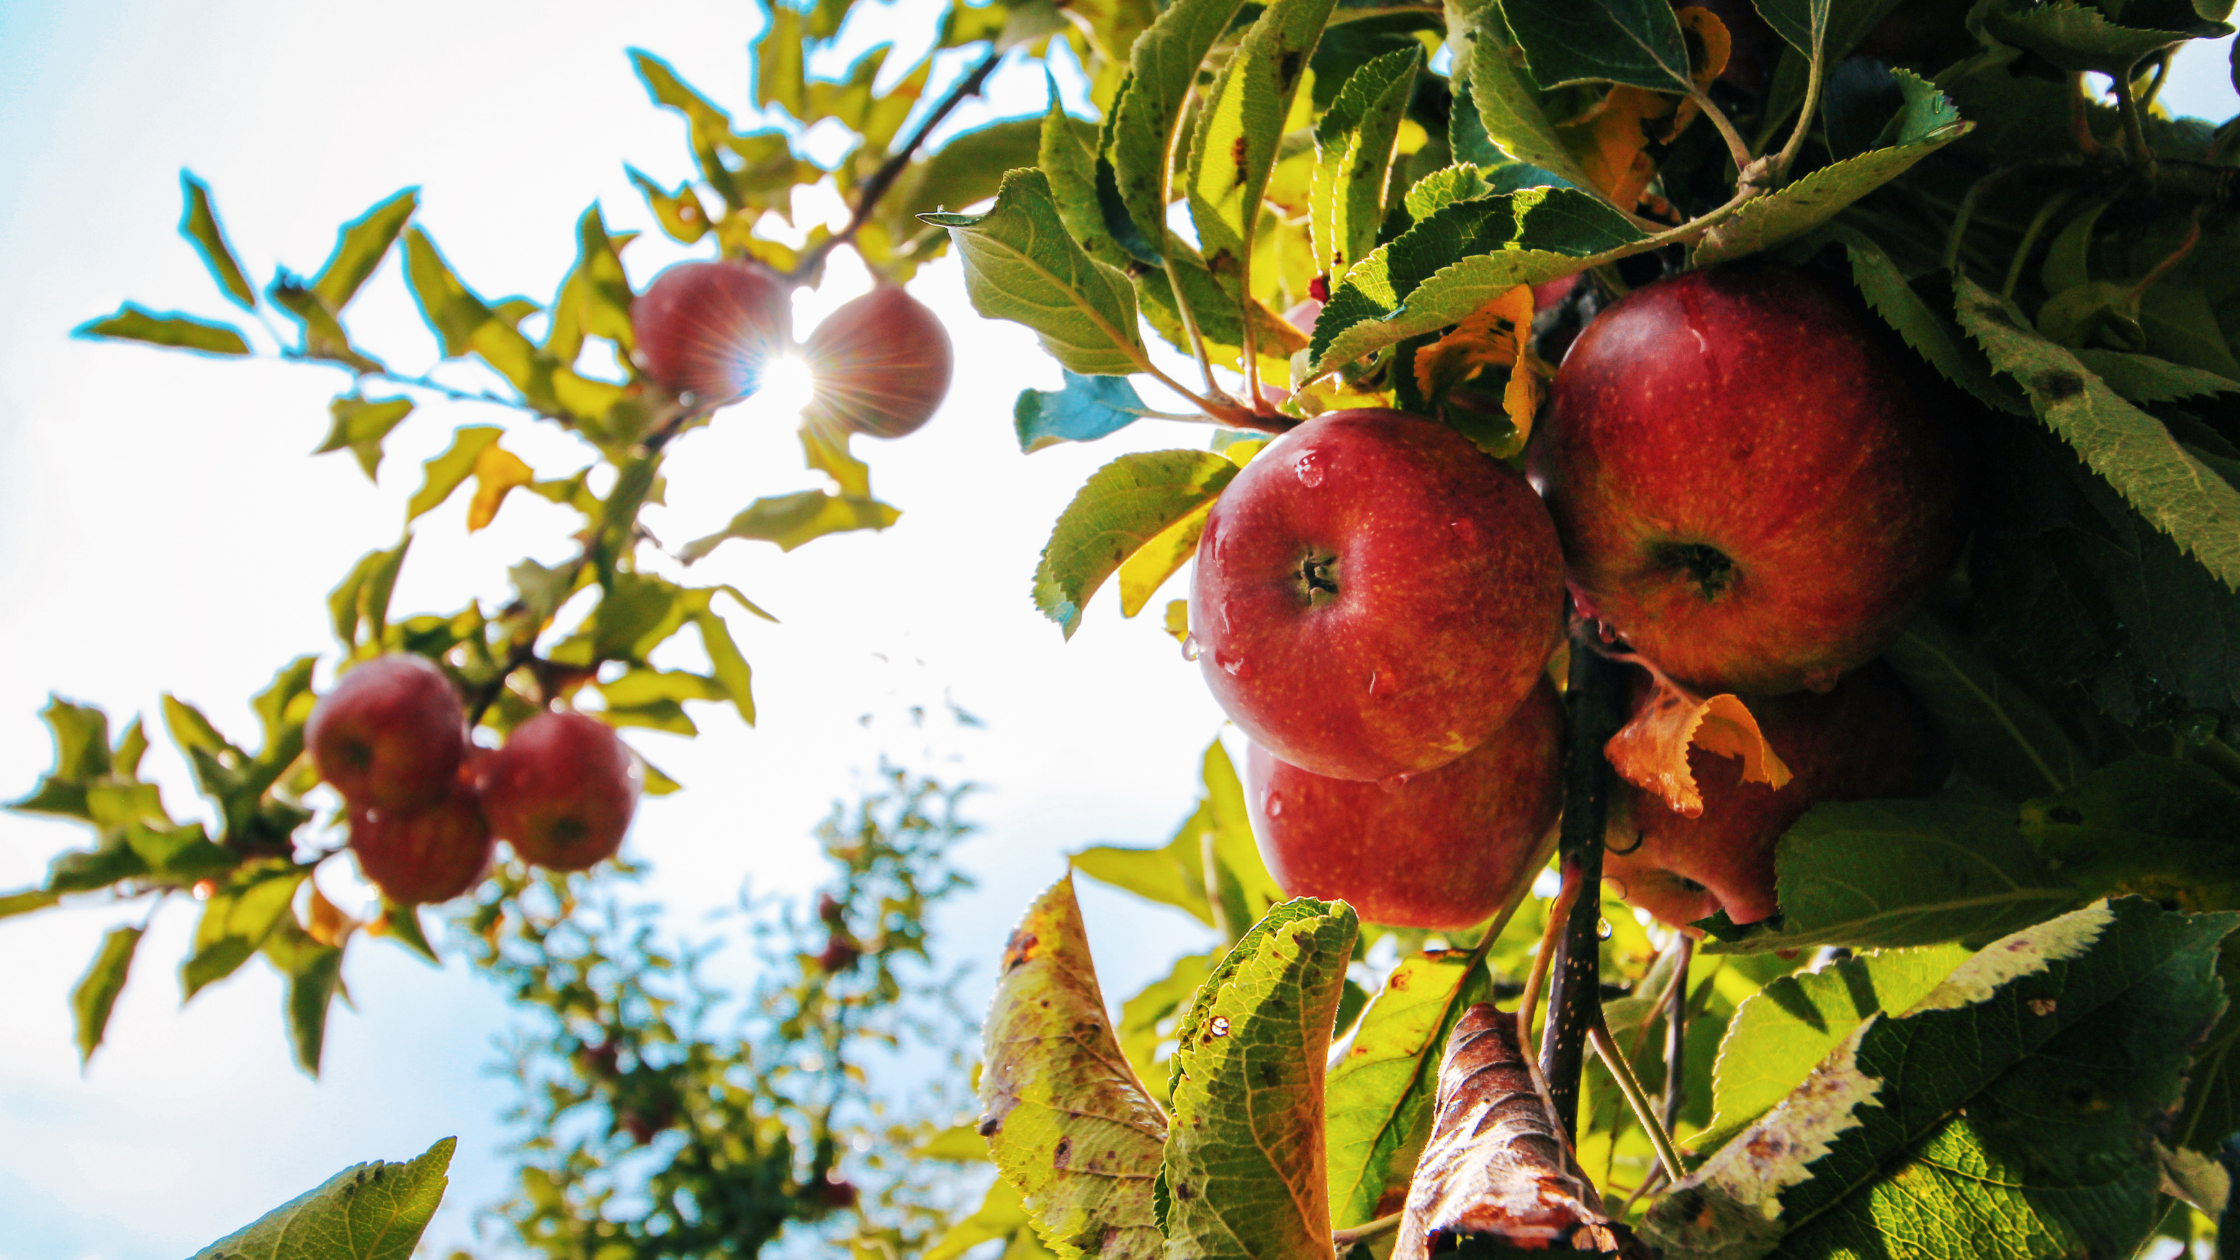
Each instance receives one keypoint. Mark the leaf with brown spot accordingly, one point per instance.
(1651, 752)
(1067, 1121)
(1498, 334)
(1495, 1166)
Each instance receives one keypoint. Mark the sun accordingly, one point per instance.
(787, 385)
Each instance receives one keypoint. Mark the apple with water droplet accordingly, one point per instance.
(426, 854)
(1444, 850)
(561, 791)
(705, 329)
(1374, 596)
(1866, 739)
(881, 364)
(1755, 480)
(390, 735)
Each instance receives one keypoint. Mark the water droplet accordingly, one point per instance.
(1383, 681)
(1233, 666)
(1309, 472)
(1189, 647)
(1275, 806)
(1603, 931)
(1394, 782)
(1465, 530)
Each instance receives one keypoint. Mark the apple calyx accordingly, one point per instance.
(1711, 569)
(1318, 579)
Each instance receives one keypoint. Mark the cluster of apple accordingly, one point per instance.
(1743, 477)
(427, 805)
(706, 330)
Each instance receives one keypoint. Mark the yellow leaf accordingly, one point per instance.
(496, 472)
(329, 924)
(1178, 619)
(1143, 573)
(1651, 752)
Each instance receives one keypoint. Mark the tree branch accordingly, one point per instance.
(891, 170)
(1593, 705)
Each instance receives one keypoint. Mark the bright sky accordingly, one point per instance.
(163, 528)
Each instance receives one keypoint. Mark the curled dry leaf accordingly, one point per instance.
(1651, 752)
(1611, 139)
(1495, 1166)
(1498, 334)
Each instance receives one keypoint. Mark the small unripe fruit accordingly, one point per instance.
(881, 364)
(707, 328)
(425, 855)
(840, 953)
(390, 735)
(561, 791)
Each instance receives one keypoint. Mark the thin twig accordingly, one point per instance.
(1535, 979)
(1676, 1039)
(1378, 1228)
(2038, 223)
(1736, 149)
(1789, 151)
(1592, 703)
(2134, 127)
(1598, 1034)
(890, 170)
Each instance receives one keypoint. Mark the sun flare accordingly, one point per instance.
(787, 385)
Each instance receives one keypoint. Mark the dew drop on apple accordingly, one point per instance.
(1275, 805)
(1233, 666)
(1309, 472)
(1189, 647)
(1394, 782)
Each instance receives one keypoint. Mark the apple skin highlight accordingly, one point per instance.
(1374, 596)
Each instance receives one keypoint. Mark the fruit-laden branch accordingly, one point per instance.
(1592, 714)
(889, 171)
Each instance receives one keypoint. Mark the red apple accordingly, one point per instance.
(429, 854)
(881, 364)
(1867, 739)
(1756, 482)
(390, 735)
(561, 791)
(705, 329)
(1374, 596)
(1444, 850)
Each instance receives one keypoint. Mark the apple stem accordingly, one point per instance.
(1668, 1156)
(1676, 1036)
(1593, 713)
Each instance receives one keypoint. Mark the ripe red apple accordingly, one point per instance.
(561, 791)
(881, 364)
(1756, 482)
(429, 854)
(1444, 850)
(1866, 739)
(1374, 596)
(706, 329)
(390, 735)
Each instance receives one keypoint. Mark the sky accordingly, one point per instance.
(163, 528)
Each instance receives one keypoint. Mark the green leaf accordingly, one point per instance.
(724, 657)
(1925, 123)
(790, 520)
(360, 246)
(360, 424)
(81, 754)
(1066, 1120)
(2147, 825)
(680, 213)
(1162, 71)
(323, 334)
(362, 598)
(2128, 447)
(1067, 153)
(1929, 329)
(402, 923)
(1245, 1173)
(1172, 875)
(26, 902)
(1802, 23)
(1379, 1097)
(1890, 874)
(1490, 67)
(1353, 157)
(1124, 505)
(1463, 256)
(1444, 187)
(198, 222)
(1998, 733)
(1000, 1215)
(1782, 1031)
(2011, 1112)
(1021, 265)
(967, 169)
(1238, 130)
(133, 322)
(450, 470)
(235, 922)
(1604, 41)
(1087, 408)
(313, 972)
(595, 298)
(370, 1211)
(2143, 378)
(1148, 569)
(779, 75)
(2078, 37)
(96, 993)
(88, 869)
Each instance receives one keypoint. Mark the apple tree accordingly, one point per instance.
(1831, 399)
